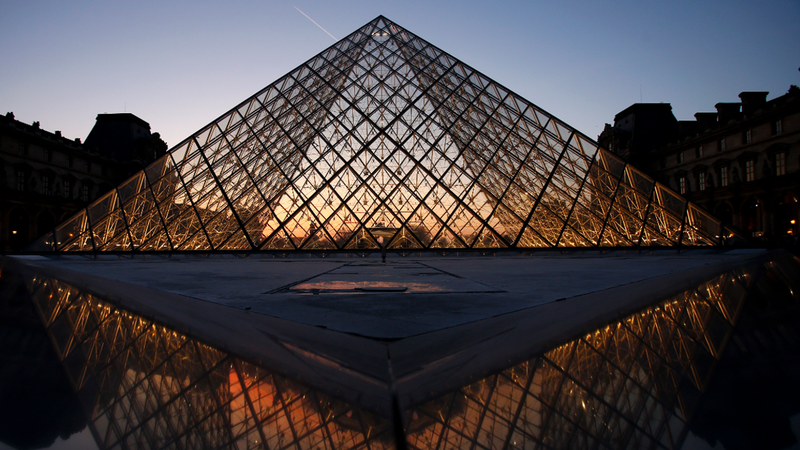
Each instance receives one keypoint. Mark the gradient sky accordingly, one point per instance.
(181, 64)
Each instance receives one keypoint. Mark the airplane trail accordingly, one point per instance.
(315, 23)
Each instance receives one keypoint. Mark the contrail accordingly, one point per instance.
(315, 23)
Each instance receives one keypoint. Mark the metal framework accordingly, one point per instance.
(630, 384)
(384, 140)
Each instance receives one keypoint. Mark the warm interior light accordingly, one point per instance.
(15, 231)
(791, 222)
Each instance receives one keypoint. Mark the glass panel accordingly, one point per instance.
(73, 234)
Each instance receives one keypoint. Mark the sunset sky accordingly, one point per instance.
(181, 64)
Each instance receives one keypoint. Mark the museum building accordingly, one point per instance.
(45, 177)
(387, 249)
(742, 162)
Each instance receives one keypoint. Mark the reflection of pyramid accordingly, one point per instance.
(383, 139)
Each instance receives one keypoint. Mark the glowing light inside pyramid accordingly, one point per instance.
(385, 140)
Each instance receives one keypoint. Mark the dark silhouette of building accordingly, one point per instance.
(740, 163)
(639, 130)
(126, 138)
(45, 177)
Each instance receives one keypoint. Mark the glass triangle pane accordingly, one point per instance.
(236, 242)
(488, 239)
(639, 181)
(196, 242)
(131, 187)
(404, 239)
(108, 228)
(505, 224)
(546, 223)
(120, 242)
(586, 223)
(630, 200)
(610, 162)
(279, 241)
(602, 181)
(248, 204)
(73, 235)
(571, 238)
(362, 240)
(701, 228)
(662, 228)
(319, 240)
(148, 224)
(260, 226)
(669, 201)
(341, 226)
(447, 239)
(157, 169)
(102, 207)
(222, 227)
(157, 243)
(622, 223)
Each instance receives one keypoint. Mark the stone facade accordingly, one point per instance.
(741, 163)
(46, 177)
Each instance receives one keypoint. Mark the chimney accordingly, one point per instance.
(751, 101)
(705, 120)
(58, 133)
(727, 111)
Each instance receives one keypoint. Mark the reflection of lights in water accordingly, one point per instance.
(598, 379)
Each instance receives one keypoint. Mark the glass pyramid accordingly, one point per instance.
(384, 140)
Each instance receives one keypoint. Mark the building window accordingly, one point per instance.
(700, 151)
(69, 160)
(748, 136)
(87, 166)
(85, 193)
(20, 180)
(722, 145)
(47, 155)
(23, 148)
(749, 170)
(780, 164)
(67, 189)
(777, 127)
(723, 176)
(46, 185)
(680, 157)
(682, 185)
(701, 181)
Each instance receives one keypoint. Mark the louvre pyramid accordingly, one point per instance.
(385, 140)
